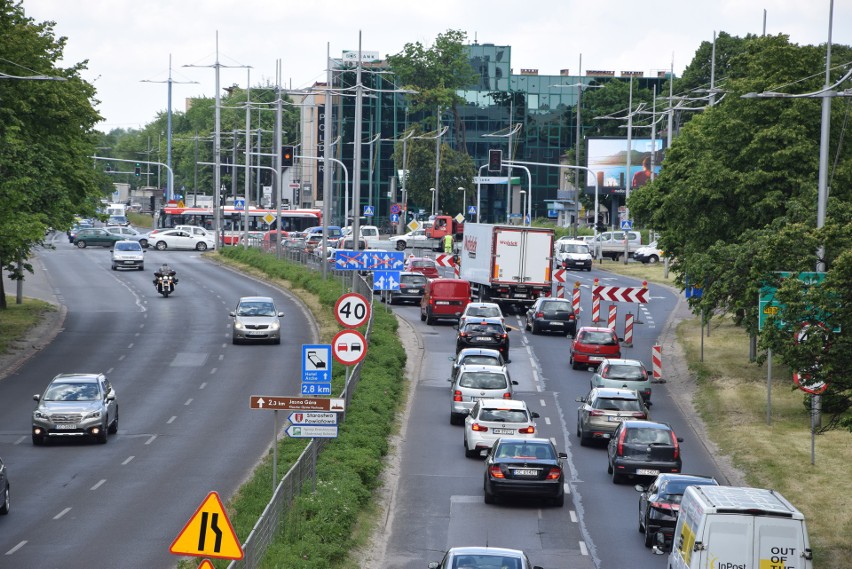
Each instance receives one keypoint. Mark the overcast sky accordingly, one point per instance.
(130, 41)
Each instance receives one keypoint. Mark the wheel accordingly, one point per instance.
(400, 245)
(276, 341)
(143, 243)
(113, 428)
(649, 537)
(161, 246)
(527, 325)
(559, 501)
(616, 478)
(234, 340)
(4, 505)
(37, 440)
(141, 267)
(470, 453)
(573, 363)
(429, 319)
(80, 244)
(534, 329)
(201, 246)
(489, 496)
(455, 419)
(114, 268)
(608, 468)
(653, 259)
(102, 436)
(422, 316)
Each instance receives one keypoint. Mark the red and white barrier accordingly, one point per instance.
(596, 304)
(657, 363)
(628, 330)
(610, 323)
(576, 298)
(560, 291)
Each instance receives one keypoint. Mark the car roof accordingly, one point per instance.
(503, 403)
(615, 392)
(480, 550)
(127, 241)
(482, 305)
(524, 440)
(256, 299)
(482, 367)
(422, 259)
(484, 320)
(642, 424)
(594, 329)
(622, 362)
(411, 274)
(478, 352)
(671, 476)
(76, 377)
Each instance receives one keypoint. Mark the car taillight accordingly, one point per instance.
(539, 315)
(665, 507)
(507, 395)
(432, 300)
(571, 316)
(463, 334)
(621, 441)
(504, 336)
(640, 415)
(457, 396)
(596, 412)
(554, 474)
(527, 430)
(495, 472)
(478, 427)
(676, 446)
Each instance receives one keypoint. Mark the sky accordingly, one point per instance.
(129, 43)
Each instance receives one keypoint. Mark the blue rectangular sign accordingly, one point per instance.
(385, 280)
(385, 260)
(316, 363)
(316, 388)
(347, 260)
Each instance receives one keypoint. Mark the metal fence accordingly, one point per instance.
(304, 469)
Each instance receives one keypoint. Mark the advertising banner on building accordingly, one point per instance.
(607, 158)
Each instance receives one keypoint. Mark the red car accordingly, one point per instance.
(592, 345)
(423, 265)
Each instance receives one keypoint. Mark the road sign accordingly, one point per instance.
(347, 260)
(386, 280)
(385, 260)
(277, 403)
(445, 260)
(459, 218)
(395, 208)
(626, 224)
(349, 347)
(239, 203)
(559, 275)
(622, 294)
(413, 225)
(369, 211)
(312, 431)
(312, 418)
(316, 362)
(208, 533)
(767, 305)
(268, 218)
(471, 210)
(312, 388)
(394, 218)
(352, 310)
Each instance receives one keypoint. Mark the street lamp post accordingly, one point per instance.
(464, 200)
(523, 207)
(434, 191)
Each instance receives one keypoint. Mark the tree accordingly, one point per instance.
(46, 140)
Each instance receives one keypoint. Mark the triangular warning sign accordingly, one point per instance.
(206, 565)
(208, 533)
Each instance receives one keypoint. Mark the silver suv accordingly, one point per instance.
(475, 382)
(256, 319)
(76, 405)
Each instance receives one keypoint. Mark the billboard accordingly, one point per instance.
(607, 157)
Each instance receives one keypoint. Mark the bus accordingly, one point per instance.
(233, 219)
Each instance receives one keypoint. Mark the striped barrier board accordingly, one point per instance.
(622, 294)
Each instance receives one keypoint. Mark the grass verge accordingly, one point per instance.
(18, 319)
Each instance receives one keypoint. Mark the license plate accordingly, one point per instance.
(520, 295)
(647, 472)
(503, 431)
(128, 262)
(557, 323)
(66, 427)
(614, 419)
(526, 472)
(595, 359)
(482, 339)
(255, 333)
(443, 302)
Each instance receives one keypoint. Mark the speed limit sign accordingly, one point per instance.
(352, 310)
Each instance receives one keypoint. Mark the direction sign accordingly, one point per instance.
(394, 218)
(349, 347)
(316, 362)
(395, 208)
(347, 260)
(369, 211)
(312, 418)
(767, 304)
(208, 533)
(352, 310)
(386, 280)
(315, 388)
(471, 210)
(312, 431)
(385, 260)
(277, 403)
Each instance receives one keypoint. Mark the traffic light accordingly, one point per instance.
(286, 156)
(138, 170)
(495, 160)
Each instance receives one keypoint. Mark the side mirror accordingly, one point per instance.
(232, 314)
(36, 397)
(639, 488)
(534, 415)
(280, 315)
(580, 399)
(680, 439)
(562, 455)
(514, 382)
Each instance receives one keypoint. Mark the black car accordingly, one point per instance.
(4, 489)
(659, 503)
(411, 287)
(475, 356)
(643, 448)
(552, 315)
(484, 333)
(524, 467)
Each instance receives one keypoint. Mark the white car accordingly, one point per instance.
(475, 310)
(491, 419)
(180, 239)
(410, 239)
(128, 255)
(128, 233)
(649, 253)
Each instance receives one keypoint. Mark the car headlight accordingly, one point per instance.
(92, 415)
(238, 325)
(274, 326)
(40, 415)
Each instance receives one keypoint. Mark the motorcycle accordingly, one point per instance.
(165, 284)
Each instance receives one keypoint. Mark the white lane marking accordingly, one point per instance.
(19, 441)
(109, 371)
(547, 420)
(98, 485)
(121, 357)
(16, 548)
(542, 402)
(583, 549)
(213, 370)
(62, 513)
(150, 439)
(127, 460)
(573, 515)
(203, 385)
(221, 357)
(171, 419)
(566, 488)
(188, 401)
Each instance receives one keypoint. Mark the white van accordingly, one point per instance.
(370, 233)
(727, 527)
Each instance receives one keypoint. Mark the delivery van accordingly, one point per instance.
(444, 299)
(727, 527)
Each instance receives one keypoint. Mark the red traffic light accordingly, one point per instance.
(495, 160)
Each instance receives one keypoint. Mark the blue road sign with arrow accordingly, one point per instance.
(385, 280)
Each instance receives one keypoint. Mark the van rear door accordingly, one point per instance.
(727, 541)
(780, 542)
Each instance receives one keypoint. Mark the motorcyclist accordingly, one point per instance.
(165, 270)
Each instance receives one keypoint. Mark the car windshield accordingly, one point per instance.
(504, 415)
(600, 338)
(675, 490)
(256, 309)
(525, 450)
(486, 562)
(618, 371)
(481, 328)
(553, 307)
(616, 404)
(485, 311)
(416, 280)
(422, 264)
(71, 392)
(128, 246)
(479, 359)
(574, 248)
(649, 436)
(483, 380)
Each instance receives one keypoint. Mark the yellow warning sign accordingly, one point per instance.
(206, 564)
(181, 204)
(208, 533)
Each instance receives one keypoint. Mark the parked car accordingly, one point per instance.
(491, 419)
(423, 265)
(573, 254)
(76, 405)
(411, 287)
(659, 503)
(444, 299)
(476, 310)
(485, 557)
(128, 255)
(96, 237)
(524, 467)
(626, 374)
(5, 499)
(484, 333)
(180, 239)
(643, 448)
(129, 233)
(649, 253)
(603, 409)
(552, 315)
(475, 382)
(593, 345)
(256, 319)
(475, 356)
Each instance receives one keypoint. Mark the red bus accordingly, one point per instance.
(233, 219)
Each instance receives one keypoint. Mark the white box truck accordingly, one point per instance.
(507, 264)
(728, 527)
